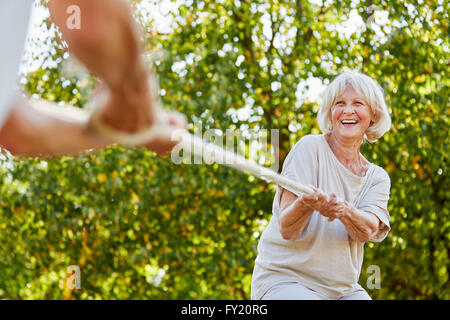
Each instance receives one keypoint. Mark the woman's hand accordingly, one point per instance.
(360, 225)
(327, 205)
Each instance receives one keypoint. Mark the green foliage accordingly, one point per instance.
(144, 228)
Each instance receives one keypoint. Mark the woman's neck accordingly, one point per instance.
(347, 152)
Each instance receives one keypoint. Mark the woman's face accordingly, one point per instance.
(351, 115)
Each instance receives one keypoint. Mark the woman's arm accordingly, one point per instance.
(360, 225)
(294, 215)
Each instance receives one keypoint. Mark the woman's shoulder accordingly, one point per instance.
(308, 146)
(380, 174)
(306, 149)
(308, 141)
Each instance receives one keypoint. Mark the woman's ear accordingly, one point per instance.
(372, 119)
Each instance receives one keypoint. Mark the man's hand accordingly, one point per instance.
(113, 106)
(167, 139)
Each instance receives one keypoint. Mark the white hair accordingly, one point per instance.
(372, 93)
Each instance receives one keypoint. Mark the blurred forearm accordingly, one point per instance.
(107, 42)
(31, 132)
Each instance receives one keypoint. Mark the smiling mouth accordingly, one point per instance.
(349, 123)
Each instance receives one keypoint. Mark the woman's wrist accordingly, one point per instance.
(345, 210)
(350, 214)
(302, 204)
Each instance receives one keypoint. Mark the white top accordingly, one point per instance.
(324, 257)
(14, 18)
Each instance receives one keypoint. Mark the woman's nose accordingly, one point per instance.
(349, 108)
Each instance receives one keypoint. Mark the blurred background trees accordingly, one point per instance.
(140, 227)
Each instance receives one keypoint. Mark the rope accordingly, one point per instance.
(189, 142)
(199, 147)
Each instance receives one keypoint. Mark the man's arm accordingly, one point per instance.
(45, 129)
(108, 43)
(30, 131)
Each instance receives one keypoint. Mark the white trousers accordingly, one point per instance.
(296, 291)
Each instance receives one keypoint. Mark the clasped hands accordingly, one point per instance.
(328, 205)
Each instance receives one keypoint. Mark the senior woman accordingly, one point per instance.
(313, 246)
